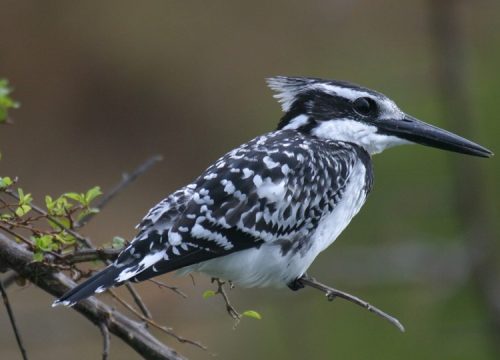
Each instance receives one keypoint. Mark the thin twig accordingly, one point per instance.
(127, 179)
(138, 300)
(17, 236)
(229, 308)
(175, 289)
(151, 322)
(106, 340)
(332, 293)
(13, 322)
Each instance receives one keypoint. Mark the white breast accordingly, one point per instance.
(353, 198)
(266, 266)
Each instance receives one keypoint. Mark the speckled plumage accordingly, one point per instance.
(261, 214)
(272, 191)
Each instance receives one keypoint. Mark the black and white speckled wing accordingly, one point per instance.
(273, 189)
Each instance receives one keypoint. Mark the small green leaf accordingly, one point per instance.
(64, 238)
(85, 213)
(252, 314)
(43, 242)
(58, 207)
(118, 242)
(37, 256)
(5, 182)
(92, 194)
(6, 102)
(49, 203)
(75, 196)
(23, 210)
(208, 293)
(24, 199)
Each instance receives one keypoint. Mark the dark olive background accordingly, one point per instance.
(105, 84)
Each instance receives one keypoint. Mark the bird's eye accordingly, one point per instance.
(364, 106)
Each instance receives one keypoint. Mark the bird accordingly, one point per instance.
(263, 212)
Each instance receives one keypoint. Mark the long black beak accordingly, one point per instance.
(419, 132)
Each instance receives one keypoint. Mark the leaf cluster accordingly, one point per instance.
(46, 233)
(6, 102)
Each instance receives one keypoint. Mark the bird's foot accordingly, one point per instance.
(296, 284)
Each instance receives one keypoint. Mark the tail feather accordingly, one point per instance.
(96, 284)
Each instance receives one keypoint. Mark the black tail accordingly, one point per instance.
(96, 284)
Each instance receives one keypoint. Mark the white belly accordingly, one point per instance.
(266, 266)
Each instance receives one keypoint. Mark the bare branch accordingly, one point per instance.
(18, 236)
(229, 308)
(85, 255)
(106, 340)
(153, 323)
(332, 293)
(138, 300)
(16, 257)
(13, 322)
(127, 179)
(175, 289)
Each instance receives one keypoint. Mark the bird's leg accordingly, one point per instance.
(297, 284)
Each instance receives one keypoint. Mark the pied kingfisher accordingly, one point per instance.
(261, 214)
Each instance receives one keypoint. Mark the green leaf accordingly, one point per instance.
(208, 293)
(92, 194)
(37, 256)
(118, 242)
(49, 203)
(65, 238)
(23, 210)
(20, 193)
(75, 196)
(6, 102)
(24, 205)
(58, 207)
(252, 314)
(86, 212)
(24, 199)
(5, 182)
(44, 242)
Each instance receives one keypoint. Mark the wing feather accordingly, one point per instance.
(272, 189)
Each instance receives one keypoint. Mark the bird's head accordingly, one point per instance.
(342, 111)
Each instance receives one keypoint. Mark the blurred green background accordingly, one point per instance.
(105, 84)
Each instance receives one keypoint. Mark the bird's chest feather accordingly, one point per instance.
(333, 223)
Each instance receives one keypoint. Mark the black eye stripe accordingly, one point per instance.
(365, 106)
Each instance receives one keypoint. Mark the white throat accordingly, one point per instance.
(356, 132)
